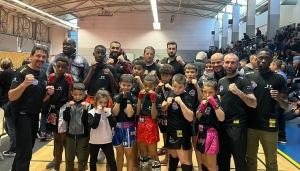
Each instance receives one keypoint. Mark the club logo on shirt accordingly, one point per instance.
(149, 108)
(207, 110)
(192, 92)
(102, 77)
(35, 82)
(174, 106)
(125, 110)
(59, 88)
(269, 86)
(14, 80)
(253, 84)
(221, 88)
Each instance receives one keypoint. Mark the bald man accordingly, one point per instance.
(217, 62)
(233, 133)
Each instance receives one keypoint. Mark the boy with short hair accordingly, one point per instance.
(124, 132)
(76, 114)
(166, 71)
(179, 106)
(147, 135)
(139, 69)
(193, 90)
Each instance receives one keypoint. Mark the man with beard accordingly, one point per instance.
(236, 96)
(27, 91)
(118, 59)
(176, 61)
(100, 75)
(77, 64)
(270, 89)
(217, 62)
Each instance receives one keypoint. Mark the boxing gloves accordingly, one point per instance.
(69, 79)
(51, 79)
(213, 102)
(153, 97)
(202, 107)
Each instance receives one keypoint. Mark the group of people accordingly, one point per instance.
(206, 105)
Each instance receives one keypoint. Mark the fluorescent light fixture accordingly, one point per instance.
(55, 20)
(156, 24)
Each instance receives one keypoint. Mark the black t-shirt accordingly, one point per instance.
(5, 80)
(136, 88)
(122, 116)
(264, 117)
(209, 117)
(178, 68)
(177, 124)
(218, 77)
(163, 93)
(61, 90)
(192, 91)
(31, 100)
(233, 106)
(100, 80)
(147, 105)
(152, 67)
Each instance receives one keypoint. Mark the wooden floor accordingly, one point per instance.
(44, 155)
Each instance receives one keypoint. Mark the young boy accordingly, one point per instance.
(162, 90)
(147, 135)
(193, 90)
(139, 69)
(179, 106)
(63, 85)
(76, 114)
(124, 132)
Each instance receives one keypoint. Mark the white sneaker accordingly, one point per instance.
(101, 156)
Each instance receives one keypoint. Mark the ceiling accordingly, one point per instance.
(71, 9)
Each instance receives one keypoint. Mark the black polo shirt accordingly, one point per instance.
(192, 92)
(152, 67)
(61, 91)
(264, 117)
(100, 80)
(177, 123)
(178, 68)
(233, 106)
(31, 100)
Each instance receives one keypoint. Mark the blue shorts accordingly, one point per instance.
(124, 133)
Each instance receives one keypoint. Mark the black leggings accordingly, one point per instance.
(109, 153)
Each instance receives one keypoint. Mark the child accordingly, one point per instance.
(195, 93)
(147, 135)
(139, 69)
(102, 121)
(178, 104)
(209, 113)
(63, 84)
(162, 90)
(76, 114)
(208, 74)
(124, 132)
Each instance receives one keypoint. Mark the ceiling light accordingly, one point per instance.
(39, 14)
(156, 24)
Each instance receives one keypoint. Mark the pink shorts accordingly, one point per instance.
(207, 140)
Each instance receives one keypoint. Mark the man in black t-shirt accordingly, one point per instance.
(217, 62)
(27, 92)
(236, 95)
(176, 61)
(269, 88)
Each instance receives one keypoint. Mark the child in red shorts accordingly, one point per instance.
(147, 128)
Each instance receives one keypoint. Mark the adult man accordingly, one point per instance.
(28, 90)
(118, 59)
(269, 89)
(176, 61)
(258, 32)
(233, 141)
(77, 64)
(200, 63)
(217, 62)
(250, 67)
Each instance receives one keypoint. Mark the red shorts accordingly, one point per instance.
(147, 130)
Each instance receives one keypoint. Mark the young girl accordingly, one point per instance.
(102, 121)
(208, 74)
(210, 114)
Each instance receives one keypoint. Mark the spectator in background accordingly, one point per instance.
(258, 32)
(200, 63)
(278, 40)
(250, 67)
(208, 74)
(118, 59)
(271, 46)
(289, 56)
(290, 70)
(297, 71)
(5, 80)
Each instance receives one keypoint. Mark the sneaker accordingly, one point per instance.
(50, 164)
(161, 151)
(49, 137)
(9, 153)
(282, 140)
(101, 156)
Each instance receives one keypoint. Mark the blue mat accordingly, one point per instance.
(291, 150)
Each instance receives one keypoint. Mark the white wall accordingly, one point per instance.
(135, 31)
(57, 36)
(289, 14)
